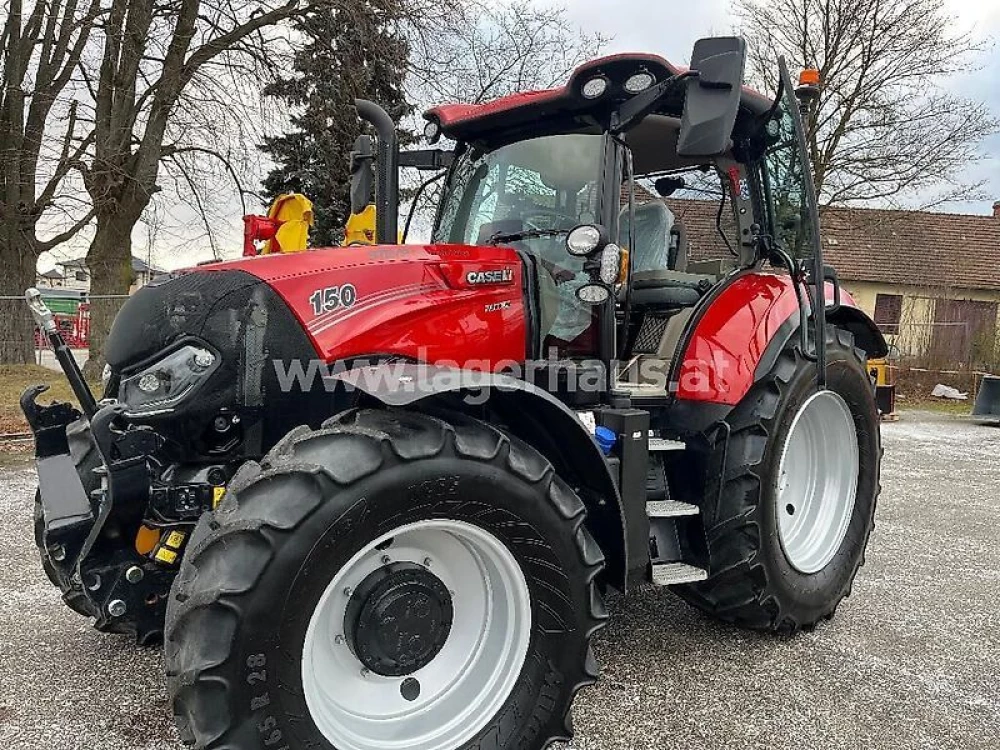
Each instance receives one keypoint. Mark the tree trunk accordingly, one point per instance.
(17, 273)
(110, 263)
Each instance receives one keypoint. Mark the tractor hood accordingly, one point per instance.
(420, 302)
(427, 303)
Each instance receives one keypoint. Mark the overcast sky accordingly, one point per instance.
(670, 28)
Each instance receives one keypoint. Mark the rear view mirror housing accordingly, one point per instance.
(713, 97)
(362, 173)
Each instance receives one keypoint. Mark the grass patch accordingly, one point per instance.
(15, 378)
(938, 405)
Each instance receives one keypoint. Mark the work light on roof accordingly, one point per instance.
(639, 82)
(432, 131)
(595, 87)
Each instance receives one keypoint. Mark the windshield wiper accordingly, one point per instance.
(529, 234)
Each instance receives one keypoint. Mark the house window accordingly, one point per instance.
(888, 308)
(81, 275)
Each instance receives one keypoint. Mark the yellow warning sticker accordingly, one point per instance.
(217, 494)
(165, 555)
(175, 539)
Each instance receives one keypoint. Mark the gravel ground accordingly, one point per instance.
(910, 661)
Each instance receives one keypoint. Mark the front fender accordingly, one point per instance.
(526, 412)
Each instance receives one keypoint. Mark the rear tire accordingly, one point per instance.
(263, 573)
(766, 570)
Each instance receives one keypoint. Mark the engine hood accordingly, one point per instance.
(452, 303)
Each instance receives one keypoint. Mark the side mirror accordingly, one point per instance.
(713, 97)
(362, 173)
(667, 186)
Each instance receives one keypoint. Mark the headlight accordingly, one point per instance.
(585, 239)
(161, 386)
(593, 293)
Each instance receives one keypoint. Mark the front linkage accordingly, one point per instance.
(110, 531)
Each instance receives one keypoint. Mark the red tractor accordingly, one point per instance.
(376, 494)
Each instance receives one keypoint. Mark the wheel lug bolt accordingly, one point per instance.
(386, 560)
(347, 591)
(338, 639)
(365, 672)
(427, 562)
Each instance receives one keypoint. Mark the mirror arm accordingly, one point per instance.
(416, 199)
(639, 106)
(427, 160)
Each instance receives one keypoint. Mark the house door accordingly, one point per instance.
(964, 331)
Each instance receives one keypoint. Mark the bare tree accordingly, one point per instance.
(156, 55)
(42, 137)
(886, 127)
(485, 52)
(491, 50)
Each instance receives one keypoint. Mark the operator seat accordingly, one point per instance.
(659, 260)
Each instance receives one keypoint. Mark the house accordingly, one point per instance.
(53, 279)
(931, 281)
(75, 274)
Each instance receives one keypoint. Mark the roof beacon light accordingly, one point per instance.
(639, 82)
(595, 88)
(809, 87)
(809, 77)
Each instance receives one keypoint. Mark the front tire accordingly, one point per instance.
(392, 578)
(787, 529)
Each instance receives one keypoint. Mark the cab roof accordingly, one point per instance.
(468, 122)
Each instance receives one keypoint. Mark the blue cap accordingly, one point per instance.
(606, 438)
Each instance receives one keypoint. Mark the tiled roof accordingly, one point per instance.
(918, 248)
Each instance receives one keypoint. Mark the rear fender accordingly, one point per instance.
(737, 337)
(527, 412)
(867, 335)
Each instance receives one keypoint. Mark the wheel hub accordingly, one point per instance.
(398, 619)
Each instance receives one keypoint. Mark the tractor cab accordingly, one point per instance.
(575, 179)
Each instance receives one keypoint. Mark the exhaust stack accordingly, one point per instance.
(387, 171)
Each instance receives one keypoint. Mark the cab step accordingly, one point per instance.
(673, 573)
(670, 509)
(662, 444)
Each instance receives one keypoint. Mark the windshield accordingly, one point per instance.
(533, 186)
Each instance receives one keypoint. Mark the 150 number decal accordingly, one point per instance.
(333, 297)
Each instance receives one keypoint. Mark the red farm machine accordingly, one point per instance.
(372, 497)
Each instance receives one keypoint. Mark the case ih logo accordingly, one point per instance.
(500, 276)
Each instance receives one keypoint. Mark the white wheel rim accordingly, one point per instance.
(464, 686)
(817, 482)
